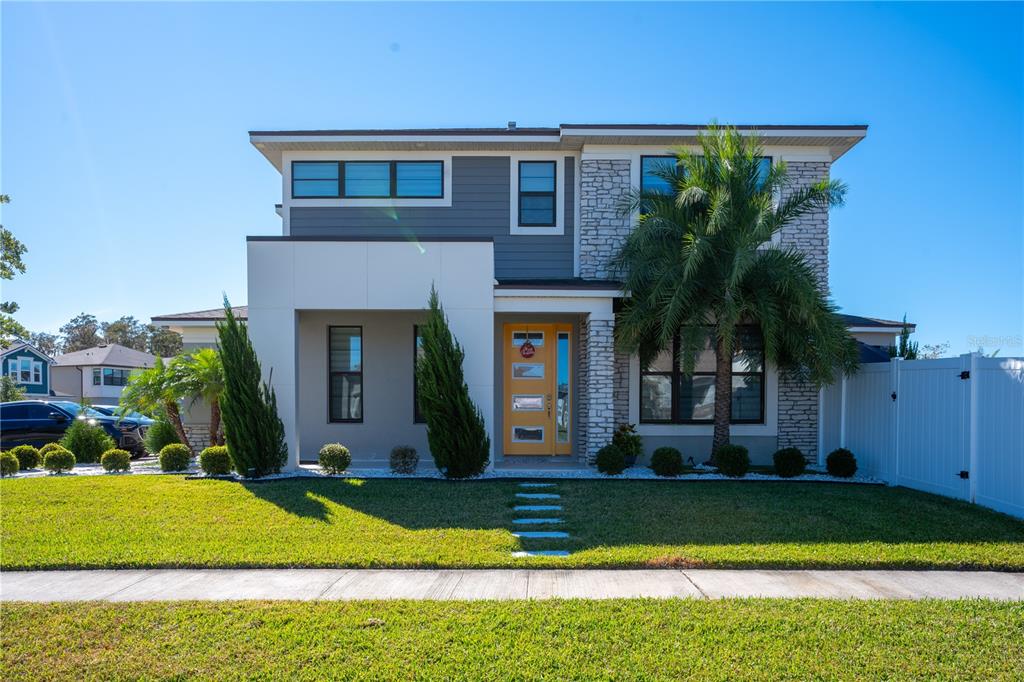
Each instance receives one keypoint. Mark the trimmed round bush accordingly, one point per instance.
(8, 464)
(611, 460)
(667, 461)
(175, 457)
(48, 448)
(28, 456)
(215, 460)
(160, 434)
(789, 462)
(732, 460)
(841, 463)
(116, 460)
(87, 441)
(58, 460)
(404, 459)
(334, 458)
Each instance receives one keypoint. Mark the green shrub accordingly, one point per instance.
(161, 433)
(175, 457)
(732, 460)
(841, 463)
(255, 433)
(628, 441)
(28, 456)
(8, 464)
(334, 458)
(667, 461)
(789, 462)
(611, 460)
(58, 459)
(116, 460)
(455, 427)
(215, 460)
(86, 441)
(404, 459)
(48, 448)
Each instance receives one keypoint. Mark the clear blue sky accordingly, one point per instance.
(125, 152)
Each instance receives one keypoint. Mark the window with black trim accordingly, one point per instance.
(113, 377)
(668, 396)
(368, 179)
(417, 355)
(650, 165)
(345, 369)
(315, 179)
(537, 193)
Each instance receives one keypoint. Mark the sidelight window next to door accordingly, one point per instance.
(537, 360)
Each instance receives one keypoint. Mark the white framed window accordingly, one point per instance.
(537, 196)
(25, 370)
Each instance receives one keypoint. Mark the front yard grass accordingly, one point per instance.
(164, 521)
(627, 639)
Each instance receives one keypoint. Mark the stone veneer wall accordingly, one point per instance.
(620, 398)
(597, 410)
(798, 400)
(602, 225)
(198, 436)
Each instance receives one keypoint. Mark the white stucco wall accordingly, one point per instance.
(288, 276)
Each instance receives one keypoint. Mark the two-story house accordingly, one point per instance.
(515, 227)
(28, 367)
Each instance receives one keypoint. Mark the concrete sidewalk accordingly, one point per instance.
(346, 584)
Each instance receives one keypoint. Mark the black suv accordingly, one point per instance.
(38, 422)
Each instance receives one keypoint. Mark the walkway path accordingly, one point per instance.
(344, 584)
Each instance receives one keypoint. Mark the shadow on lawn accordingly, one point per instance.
(615, 513)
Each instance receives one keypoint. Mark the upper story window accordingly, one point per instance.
(650, 165)
(368, 179)
(537, 193)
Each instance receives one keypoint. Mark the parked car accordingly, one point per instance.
(111, 411)
(38, 422)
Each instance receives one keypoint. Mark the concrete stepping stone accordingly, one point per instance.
(537, 485)
(540, 534)
(538, 496)
(537, 507)
(528, 522)
(541, 552)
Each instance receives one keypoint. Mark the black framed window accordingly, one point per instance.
(114, 377)
(650, 182)
(417, 355)
(97, 375)
(537, 193)
(367, 178)
(315, 179)
(419, 179)
(668, 396)
(345, 369)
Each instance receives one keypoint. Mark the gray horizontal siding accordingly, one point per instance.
(480, 208)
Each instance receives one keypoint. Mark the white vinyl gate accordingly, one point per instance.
(950, 426)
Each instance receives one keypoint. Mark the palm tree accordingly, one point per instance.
(701, 261)
(201, 375)
(155, 390)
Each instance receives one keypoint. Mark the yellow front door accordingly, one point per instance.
(538, 380)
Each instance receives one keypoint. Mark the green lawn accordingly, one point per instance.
(151, 521)
(630, 639)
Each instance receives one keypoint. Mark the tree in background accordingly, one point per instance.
(906, 349)
(126, 331)
(155, 391)
(252, 428)
(10, 390)
(455, 428)
(45, 343)
(11, 263)
(201, 375)
(81, 332)
(701, 262)
(163, 341)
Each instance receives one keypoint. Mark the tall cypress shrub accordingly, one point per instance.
(254, 432)
(455, 428)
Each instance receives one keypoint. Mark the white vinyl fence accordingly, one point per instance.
(950, 426)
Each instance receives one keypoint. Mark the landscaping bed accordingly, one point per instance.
(626, 639)
(168, 521)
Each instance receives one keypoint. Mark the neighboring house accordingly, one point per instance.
(98, 374)
(874, 336)
(29, 368)
(197, 328)
(515, 227)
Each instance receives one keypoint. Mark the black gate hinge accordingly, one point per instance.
(893, 396)
(964, 474)
(966, 374)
